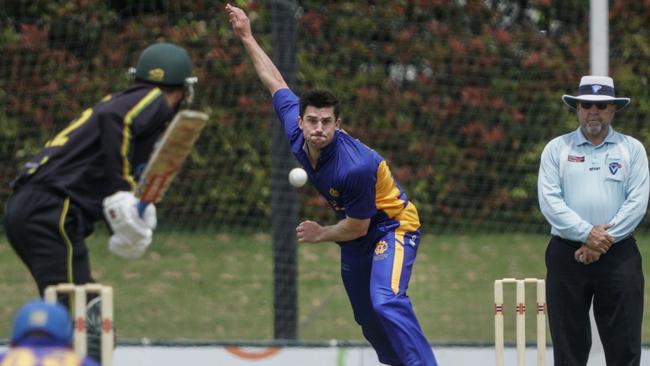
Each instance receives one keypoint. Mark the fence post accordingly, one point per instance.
(284, 202)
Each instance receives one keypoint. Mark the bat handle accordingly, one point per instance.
(142, 205)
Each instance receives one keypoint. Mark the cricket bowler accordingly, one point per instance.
(378, 228)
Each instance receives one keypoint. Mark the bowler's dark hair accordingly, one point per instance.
(319, 98)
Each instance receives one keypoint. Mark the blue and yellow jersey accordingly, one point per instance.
(99, 152)
(354, 179)
(43, 356)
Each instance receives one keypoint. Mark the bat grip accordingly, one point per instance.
(142, 205)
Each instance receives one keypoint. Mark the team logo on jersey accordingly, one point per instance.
(614, 167)
(334, 193)
(336, 206)
(156, 74)
(596, 88)
(380, 250)
(576, 159)
(381, 247)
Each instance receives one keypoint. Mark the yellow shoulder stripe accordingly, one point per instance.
(126, 135)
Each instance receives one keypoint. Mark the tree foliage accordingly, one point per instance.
(459, 96)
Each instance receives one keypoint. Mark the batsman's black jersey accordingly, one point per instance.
(101, 151)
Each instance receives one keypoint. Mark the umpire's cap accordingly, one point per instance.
(164, 64)
(43, 317)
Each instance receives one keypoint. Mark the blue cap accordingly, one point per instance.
(38, 315)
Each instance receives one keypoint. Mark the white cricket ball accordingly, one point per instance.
(297, 177)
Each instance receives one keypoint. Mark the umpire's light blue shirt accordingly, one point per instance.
(581, 185)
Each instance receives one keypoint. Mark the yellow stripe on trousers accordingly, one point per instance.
(398, 260)
(66, 239)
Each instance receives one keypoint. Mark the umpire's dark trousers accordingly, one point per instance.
(615, 283)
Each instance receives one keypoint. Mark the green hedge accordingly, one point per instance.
(459, 97)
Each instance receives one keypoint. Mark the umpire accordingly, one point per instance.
(88, 169)
(593, 190)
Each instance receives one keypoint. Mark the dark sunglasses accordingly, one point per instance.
(600, 106)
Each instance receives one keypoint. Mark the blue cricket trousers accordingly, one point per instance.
(376, 278)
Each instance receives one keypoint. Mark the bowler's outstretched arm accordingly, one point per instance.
(266, 70)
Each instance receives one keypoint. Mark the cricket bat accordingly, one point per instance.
(168, 156)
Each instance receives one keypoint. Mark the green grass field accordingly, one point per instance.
(219, 287)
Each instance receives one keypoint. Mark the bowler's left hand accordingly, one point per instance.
(308, 232)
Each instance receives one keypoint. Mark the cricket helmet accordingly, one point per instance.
(164, 64)
(40, 316)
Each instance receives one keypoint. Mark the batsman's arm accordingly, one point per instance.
(266, 70)
(116, 139)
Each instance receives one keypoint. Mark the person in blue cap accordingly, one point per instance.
(42, 335)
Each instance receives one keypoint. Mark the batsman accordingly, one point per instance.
(378, 228)
(88, 172)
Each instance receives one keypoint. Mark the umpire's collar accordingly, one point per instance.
(580, 139)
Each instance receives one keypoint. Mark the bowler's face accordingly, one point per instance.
(318, 126)
(595, 119)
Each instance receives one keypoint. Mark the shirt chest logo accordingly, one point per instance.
(614, 167)
(334, 195)
(576, 158)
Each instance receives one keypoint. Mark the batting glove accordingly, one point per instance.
(122, 247)
(121, 212)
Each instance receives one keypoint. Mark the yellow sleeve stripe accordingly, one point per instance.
(126, 135)
(388, 199)
(409, 219)
(387, 196)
